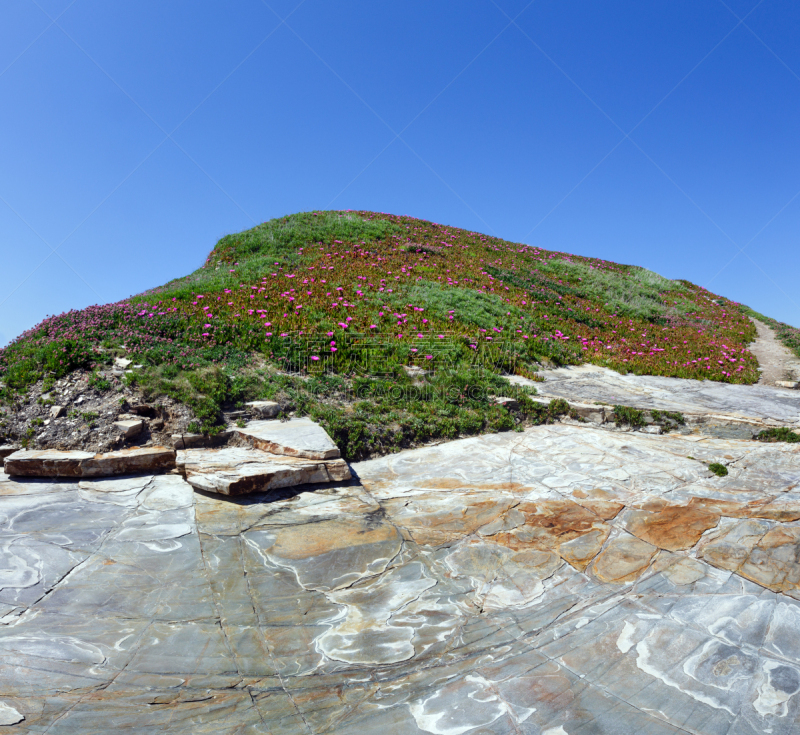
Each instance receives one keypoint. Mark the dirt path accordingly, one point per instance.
(777, 361)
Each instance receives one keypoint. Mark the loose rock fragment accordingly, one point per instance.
(130, 427)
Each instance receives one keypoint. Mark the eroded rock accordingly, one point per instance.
(295, 438)
(240, 471)
(54, 463)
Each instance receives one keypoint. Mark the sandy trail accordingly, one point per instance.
(778, 362)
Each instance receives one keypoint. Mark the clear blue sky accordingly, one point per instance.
(134, 134)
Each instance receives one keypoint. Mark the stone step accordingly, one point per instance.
(56, 463)
(294, 438)
(240, 470)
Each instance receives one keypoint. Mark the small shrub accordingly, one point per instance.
(778, 435)
(627, 416)
(720, 470)
(98, 382)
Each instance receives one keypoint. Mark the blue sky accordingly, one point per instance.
(134, 134)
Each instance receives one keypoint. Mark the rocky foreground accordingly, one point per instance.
(566, 580)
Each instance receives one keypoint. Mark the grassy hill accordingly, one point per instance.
(323, 310)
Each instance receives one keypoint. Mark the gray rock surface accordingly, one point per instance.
(590, 383)
(296, 438)
(566, 580)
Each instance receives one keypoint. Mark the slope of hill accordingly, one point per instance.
(330, 312)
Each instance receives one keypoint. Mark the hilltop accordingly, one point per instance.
(389, 330)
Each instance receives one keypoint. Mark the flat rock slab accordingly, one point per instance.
(294, 438)
(565, 580)
(589, 383)
(55, 463)
(240, 471)
(7, 449)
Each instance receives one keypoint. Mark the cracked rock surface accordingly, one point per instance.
(591, 383)
(566, 580)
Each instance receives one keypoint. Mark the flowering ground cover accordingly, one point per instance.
(361, 295)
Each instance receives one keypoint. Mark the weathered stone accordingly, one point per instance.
(671, 528)
(792, 384)
(193, 441)
(624, 559)
(295, 438)
(133, 603)
(730, 546)
(723, 402)
(57, 411)
(415, 371)
(8, 715)
(7, 449)
(46, 463)
(589, 412)
(129, 427)
(122, 363)
(54, 463)
(264, 409)
(240, 471)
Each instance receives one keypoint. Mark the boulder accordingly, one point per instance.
(55, 463)
(57, 412)
(793, 384)
(239, 470)
(295, 438)
(264, 409)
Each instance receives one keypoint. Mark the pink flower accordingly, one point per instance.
(314, 357)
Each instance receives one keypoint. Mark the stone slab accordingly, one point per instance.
(295, 438)
(55, 463)
(241, 471)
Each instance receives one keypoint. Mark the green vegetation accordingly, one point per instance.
(298, 303)
(627, 416)
(781, 434)
(720, 470)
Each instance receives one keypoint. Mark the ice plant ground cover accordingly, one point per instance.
(350, 298)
